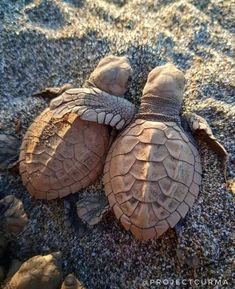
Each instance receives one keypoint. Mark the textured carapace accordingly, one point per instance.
(38, 272)
(153, 171)
(152, 177)
(60, 155)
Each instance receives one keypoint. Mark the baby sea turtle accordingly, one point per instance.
(60, 155)
(153, 169)
(38, 272)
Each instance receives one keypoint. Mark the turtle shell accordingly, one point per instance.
(60, 156)
(152, 177)
(38, 272)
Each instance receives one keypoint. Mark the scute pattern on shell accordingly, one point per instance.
(38, 272)
(60, 156)
(152, 176)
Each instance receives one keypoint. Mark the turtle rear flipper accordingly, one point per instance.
(87, 211)
(9, 151)
(92, 208)
(71, 219)
(202, 130)
(51, 92)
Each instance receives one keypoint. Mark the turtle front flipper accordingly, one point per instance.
(87, 211)
(71, 219)
(51, 92)
(95, 105)
(92, 208)
(201, 129)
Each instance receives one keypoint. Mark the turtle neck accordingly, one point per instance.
(154, 107)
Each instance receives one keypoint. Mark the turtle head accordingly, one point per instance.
(165, 81)
(112, 75)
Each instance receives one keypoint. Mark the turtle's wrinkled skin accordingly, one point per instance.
(37, 273)
(61, 155)
(153, 169)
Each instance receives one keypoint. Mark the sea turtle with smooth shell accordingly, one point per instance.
(62, 153)
(153, 169)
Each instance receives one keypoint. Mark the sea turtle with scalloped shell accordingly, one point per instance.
(153, 169)
(60, 155)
